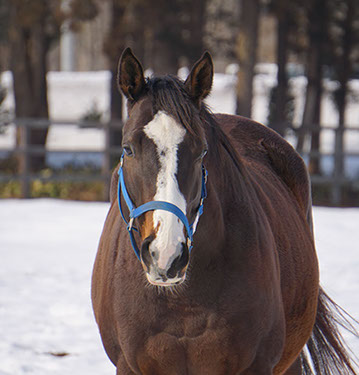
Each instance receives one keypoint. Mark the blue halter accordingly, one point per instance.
(135, 212)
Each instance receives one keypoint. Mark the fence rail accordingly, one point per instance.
(24, 150)
(337, 180)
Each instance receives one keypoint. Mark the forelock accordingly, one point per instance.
(169, 95)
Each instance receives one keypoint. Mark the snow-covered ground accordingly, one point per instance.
(47, 248)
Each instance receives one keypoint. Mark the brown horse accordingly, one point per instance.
(246, 299)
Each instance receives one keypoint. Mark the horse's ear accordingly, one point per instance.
(199, 81)
(131, 80)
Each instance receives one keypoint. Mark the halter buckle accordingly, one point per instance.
(189, 243)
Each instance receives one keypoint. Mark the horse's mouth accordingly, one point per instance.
(165, 283)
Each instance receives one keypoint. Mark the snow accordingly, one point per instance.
(47, 249)
(337, 244)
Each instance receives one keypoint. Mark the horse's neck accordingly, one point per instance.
(227, 193)
(227, 175)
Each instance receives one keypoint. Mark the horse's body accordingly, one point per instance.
(249, 301)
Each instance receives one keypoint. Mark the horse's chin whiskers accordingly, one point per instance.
(170, 290)
(175, 289)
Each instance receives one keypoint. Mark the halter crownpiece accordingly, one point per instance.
(135, 212)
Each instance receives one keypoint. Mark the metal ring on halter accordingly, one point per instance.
(189, 243)
(130, 224)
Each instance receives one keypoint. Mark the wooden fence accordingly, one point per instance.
(336, 181)
(339, 179)
(23, 150)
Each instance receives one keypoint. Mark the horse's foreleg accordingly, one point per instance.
(259, 368)
(295, 369)
(258, 371)
(122, 367)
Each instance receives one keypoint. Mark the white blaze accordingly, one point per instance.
(167, 134)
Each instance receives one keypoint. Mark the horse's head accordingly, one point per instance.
(164, 145)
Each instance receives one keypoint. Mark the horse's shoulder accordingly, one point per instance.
(258, 141)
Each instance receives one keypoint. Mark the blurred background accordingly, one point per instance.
(290, 64)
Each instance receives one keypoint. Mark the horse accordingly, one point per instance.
(207, 262)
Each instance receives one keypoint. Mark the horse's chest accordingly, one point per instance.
(197, 345)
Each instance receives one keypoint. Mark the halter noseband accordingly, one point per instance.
(135, 212)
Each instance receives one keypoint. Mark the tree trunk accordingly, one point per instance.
(39, 89)
(167, 38)
(115, 44)
(113, 48)
(246, 51)
(116, 103)
(344, 69)
(280, 120)
(314, 160)
(164, 59)
(28, 51)
(130, 26)
(198, 16)
(317, 35)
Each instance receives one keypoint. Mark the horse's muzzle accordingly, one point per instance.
(175, 270)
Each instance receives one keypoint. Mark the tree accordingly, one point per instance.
(246, 50)
(287, 13)
(4, 18)
(178, 35)
(115, 43)
(316, 54)
(345, 37)
(281, 93)
(32, 29)
(221, 28)
(29, 44)
(182, 26)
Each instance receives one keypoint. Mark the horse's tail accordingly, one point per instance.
(326, 351)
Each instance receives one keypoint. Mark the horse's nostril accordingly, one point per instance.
(172, 273)
(179, 263)
(145, 250)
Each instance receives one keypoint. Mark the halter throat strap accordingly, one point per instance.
(135, 212)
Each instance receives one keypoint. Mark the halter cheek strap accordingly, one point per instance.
(135, 212)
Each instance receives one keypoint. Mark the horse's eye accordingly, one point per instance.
(127, 150)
